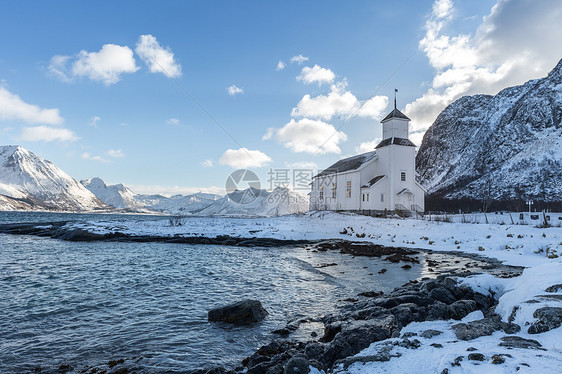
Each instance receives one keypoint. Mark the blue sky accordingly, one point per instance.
(103, 88)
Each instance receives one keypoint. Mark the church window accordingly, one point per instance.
(382, 198)
(334, 187)
(403, 176)
(321, 192)
(348, 189)
(367, 197)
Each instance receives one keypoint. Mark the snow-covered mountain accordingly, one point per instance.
(177, 203)
(504, 147)
(254, 202)
(30, 182)
(117, 195)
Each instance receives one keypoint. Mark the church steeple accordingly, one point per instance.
(395, 124)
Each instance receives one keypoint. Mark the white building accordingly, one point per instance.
(377, 181)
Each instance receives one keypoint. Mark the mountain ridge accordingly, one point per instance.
(506, 146)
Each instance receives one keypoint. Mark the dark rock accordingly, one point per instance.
(471, 349)
(549, 318)
(457, 361)
(519, 342)
(371, 293)
(406, 267)
(407, 343)
(406, 313)
(381, 357)
(408, 335)
(438, 311)
(498, 359)
(554, 288)
(476, 356)
(356, 336)
(276, 369)
(382, 271)
(429, 285)
(428, 334)
(482, 327)
(442, 294)
(313, 350)
(460, 309)
(240, 313)
(65, 368)
(114, 363)
(436, 345)
(297, 365)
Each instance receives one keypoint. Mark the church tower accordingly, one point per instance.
(398, 155)
(395, 124)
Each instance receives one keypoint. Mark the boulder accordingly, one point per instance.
(460, 309)
(428, 334)
(549, 318)
(297, 365)
(483, 327)
(442, 294)
(519, 342)
(240, 313)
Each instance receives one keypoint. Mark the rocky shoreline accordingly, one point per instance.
(365, 318)
(375, 317)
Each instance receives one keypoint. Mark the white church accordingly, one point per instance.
(375, 182)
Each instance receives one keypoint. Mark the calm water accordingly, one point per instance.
(87, 303)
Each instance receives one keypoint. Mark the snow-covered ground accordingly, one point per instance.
(437, 353)
(521, 243)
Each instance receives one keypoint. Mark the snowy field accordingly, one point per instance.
(521, 243)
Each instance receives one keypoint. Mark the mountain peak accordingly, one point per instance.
(24, 175)
(505, 147)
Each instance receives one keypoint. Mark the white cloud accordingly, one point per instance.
(47, 134)
(339, 102)
(316, 74)
(299, 59)
(94, 121)
(280, 66)
(105, 66)
(88, 156)
(310, 136)
(173, 121)
(302, 165)
(269, 133)
(368, 146)
(233, 90)
(244, 158)
(115, 153)
(374, 107)
(158, 59)
(207, 164)
(513, 44)
(12, 107)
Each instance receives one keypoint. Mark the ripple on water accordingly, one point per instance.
(88, 303)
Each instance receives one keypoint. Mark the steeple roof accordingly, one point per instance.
(395, 114)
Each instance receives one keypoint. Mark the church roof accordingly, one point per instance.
(395, 114)
(397, 141)
(373, 181)
(348, 164)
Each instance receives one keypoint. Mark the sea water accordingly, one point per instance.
(84, 304)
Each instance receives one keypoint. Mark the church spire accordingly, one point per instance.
(395, 91)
